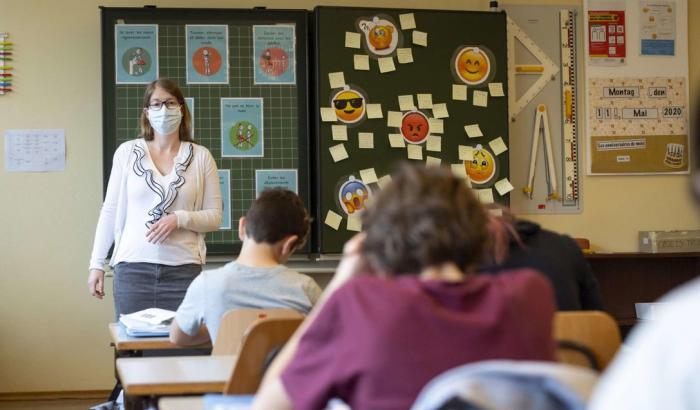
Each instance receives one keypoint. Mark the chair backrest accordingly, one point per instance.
(263, 337)
(235, 323)
(597, 331)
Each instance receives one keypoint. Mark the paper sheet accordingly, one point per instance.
(459, 92)
(408, 21)
(374, 111)
(480, 98)
(466, 153)
(337, 79)
(496, 89)
(440, 110)
(459, 171)
(366, 140)
(396, 141)
(420, 38)
(333, 219)
(503, 186)
(406, 103)
(339, 132)
(485, 195)
(404, 55)
(415, 152)
(338, 152)
(384, 181)
(436, 125)
(352, 40)
(328, 114)
(425, 101)
(434, 143)
(498, 146)
(368, 175)
(432, 161)
(361, 62)
(35, 151)
(354, 223)
(394, 119)
(386, 65)
(473, 131)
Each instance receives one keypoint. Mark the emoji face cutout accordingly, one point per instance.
(381, 35)
(482, 167)
(472, 65)
(415, 127)
(353, 195)
(349, 106)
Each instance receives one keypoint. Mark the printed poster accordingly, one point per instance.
(225, 185)
(273, 55)
(189, 101)
(242, 127)
(275, 178)
(638, 125)
(136, 53)
(657, 28)
(207, 54)
(607, 44)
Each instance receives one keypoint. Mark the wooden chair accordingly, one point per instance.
(263, 338)
(591, 331)
(235, 323)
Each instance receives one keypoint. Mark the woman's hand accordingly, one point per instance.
(96, 283)
(160, 230)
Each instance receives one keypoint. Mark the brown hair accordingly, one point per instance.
(425, 217)
(275, 215)
(502, 232)
(170, 87)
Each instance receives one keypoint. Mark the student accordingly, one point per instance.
(405, 304)
(516, 243)
(275, 225)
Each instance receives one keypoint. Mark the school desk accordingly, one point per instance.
(181, 403)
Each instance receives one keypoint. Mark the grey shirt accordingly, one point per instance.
(216, 291)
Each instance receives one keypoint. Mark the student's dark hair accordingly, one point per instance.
(170, 86)
(275, 215)
(425, 217)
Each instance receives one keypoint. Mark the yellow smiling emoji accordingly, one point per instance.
(482, 168)
(472, 65)
(349, 106)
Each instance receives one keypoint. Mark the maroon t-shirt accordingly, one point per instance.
(377, 342)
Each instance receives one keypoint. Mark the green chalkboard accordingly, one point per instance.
(449, 34)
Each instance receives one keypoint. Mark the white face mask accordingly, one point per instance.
(166, 120)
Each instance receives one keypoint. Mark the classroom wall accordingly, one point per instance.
(54, 336)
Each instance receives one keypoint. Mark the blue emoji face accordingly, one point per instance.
(353, 195)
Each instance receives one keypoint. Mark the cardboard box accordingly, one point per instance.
(669, 241)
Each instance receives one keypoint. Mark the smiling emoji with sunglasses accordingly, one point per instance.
(349, 106)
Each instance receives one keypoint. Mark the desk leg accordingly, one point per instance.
(118, 384)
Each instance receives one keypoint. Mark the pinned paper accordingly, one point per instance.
(404, 55)
(338, 152)
(459, 171)
(459, 92)
(434, 143)
(352, 40)
(396, 141)
(328, 114)
(374, 111)
(480, 98)
(432, 161)
(420, 38)
(337, 79)
(440, 110)
(473, 130)
(485, 195)
(361, 62)
(415, 152)
(408, 21)
(503, 186)
(436, 126)
(425, 101)
(386, 65)
(406, 103)
(394, 119)
(466, 153)
(384, 181)
(496, 89)
(354, 223)
(333, 220)
(368, 175)
(498, 146)
(340, 132)
(366, 140)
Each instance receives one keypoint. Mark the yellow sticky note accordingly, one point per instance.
(420, 38)
(434, 143)
(374, 111)
(338, 152)
(339, 132)
(396, 141)
(337, 79)
(425, 101)
(498, 146)
(406, 103)
(473, 131)
(404, 55)
(440, 110)
(503, 186)
(366, 140)
(496, 89)
(459, 171)
(361, 62)
(394, 119)
(368, 175)
(466, 153)
(386, 65)
(480, 98)
(354, 223)
(352, 40)
(436, 125)
(415, 152)
(432, 161)
(384, 181)
(408, 21)
(328, 114)
(333, 219)
(485, 195)
(459, 92)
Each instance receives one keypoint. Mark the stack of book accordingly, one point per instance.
(151, 322)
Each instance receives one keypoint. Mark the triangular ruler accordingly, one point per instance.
(545, 69)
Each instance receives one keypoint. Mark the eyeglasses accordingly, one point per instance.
(354, 103)
(156, 105)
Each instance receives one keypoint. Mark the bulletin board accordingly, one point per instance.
(281, 138)
(358, 146)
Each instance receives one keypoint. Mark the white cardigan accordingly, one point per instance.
(138, 195)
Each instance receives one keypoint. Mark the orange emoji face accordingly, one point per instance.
(482, 168)
(415, 127)
(472, 65)
(349, 106)
(381, 36)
